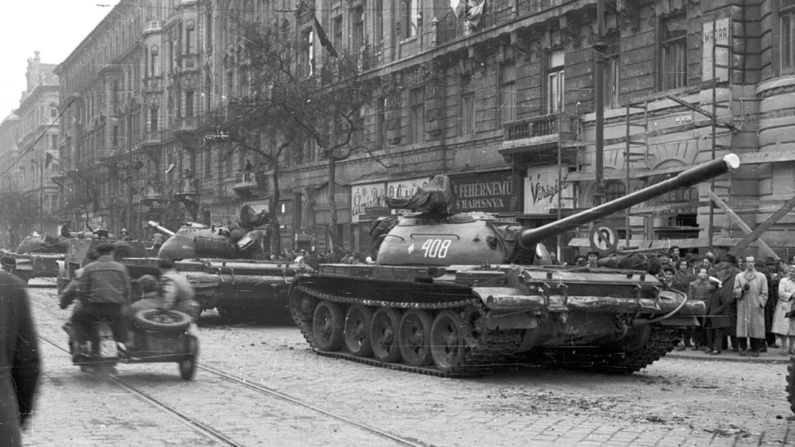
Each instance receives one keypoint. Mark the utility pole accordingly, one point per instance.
(599, 47)
(129, 169)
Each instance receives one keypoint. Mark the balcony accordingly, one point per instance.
(156, 138)
(371, 57)
(249, 184)
(189, 62)
(187, 187)
(153, 27)
(186, 124)
(153, 84)
(536, 140)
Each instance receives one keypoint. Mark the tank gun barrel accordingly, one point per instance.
(690, 177)
(163, 230)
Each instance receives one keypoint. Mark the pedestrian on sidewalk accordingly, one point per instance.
(700, 290)
(750, 289)
(784, 327)
(19, 360)
(717, 320)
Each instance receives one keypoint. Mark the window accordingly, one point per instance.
(612, 72)
(336, 33)
(507, 94)
(190, 31)
(410, 16)
(155, 65)
(380, 123)
(417, 115)
(115, 138)
(379, 21)
(208, 91)
(208, 29)
(787, 35)
(54, 141)
(466, 109)
(53, 112)
(153, 119)
(189, 104)
(673, 53)
(614, 189)
(555, 82)
(171, 56)
(308, 53)
(357, 34)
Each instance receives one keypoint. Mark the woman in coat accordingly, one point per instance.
(783, 327)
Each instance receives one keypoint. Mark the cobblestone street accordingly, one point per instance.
(286, 395)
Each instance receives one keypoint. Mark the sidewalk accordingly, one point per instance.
(771, 356)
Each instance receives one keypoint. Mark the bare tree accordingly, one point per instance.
(19, 215)
(284, 99)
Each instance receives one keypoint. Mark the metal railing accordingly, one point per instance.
(537, 127)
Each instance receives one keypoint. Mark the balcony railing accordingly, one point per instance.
(189, 61)
(186, 124)
(158, 137)
(538, 127)
(153, 26)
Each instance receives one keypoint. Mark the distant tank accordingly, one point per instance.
(226, 265)
(454, 294)
(36, 256)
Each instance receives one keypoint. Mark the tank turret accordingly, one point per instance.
(436, 237)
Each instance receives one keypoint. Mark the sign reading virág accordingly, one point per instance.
(542, 187)
(490, 192)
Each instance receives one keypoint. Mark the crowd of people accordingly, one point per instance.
(746, 299)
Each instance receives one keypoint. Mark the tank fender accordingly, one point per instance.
(509, 298)
(497, 321)
(24, 263)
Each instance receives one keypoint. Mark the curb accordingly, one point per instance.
(731, 357)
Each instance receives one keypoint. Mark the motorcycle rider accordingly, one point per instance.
(104, 288)
(69, 294)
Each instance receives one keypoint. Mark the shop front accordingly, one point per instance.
(365, 198)
(546, 198)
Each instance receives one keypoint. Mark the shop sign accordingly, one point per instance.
(716, 36)
(490, 192)
(542, 187)
(403, 189)
(156, 204)
(366, 196)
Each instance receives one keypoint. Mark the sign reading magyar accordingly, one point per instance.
(490, 192)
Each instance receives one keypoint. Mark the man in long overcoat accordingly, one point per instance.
(19, 359)
(727, 272)
(750, 289)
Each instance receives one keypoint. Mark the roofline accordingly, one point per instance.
(85, 42)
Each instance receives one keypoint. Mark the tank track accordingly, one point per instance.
(487, 350)
(661, 341)
(791, 383)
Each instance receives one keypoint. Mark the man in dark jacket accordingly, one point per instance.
(726, 272)
(104, 289)
(19, 360)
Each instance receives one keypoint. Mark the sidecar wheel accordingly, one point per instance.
(169, 321)
(187, 367)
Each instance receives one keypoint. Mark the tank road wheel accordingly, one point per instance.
(447, 341)
(415, 337)
(384, 335)
(357, 330)
(791, 383)
(327, 326)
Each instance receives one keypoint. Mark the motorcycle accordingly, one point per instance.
(155, 336)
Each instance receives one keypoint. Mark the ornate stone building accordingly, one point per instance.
(499, 94)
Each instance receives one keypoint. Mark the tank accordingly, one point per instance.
(226, 266)
(35, 257)
(457, 294)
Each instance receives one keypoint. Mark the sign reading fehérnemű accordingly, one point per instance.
(490, 192)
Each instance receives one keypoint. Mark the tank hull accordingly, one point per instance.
(234, 287)
(478, 317)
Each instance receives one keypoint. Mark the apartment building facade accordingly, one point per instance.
(498, 94)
